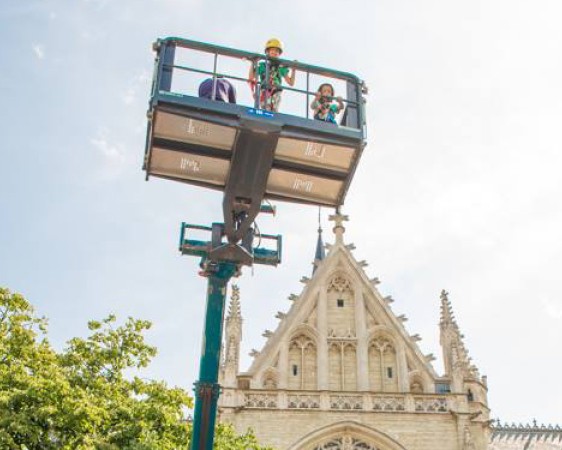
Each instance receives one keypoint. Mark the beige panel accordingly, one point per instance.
(188, 167)
(192, 131)
(304, 187)
(335, 157)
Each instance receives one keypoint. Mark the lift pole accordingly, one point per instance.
(220, 260)
(207, 389)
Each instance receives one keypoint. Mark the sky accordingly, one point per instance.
(458, 188)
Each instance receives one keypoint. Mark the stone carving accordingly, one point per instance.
(430, 357)
(341, 344)
(548, 436)
(346, 402)
(382, 345)
(339, 284)
(388, 403)
(347, 334)
(345, 442)
(252, 400)
(430, 404)
(302, 342)
(231, 356)
(303, 401)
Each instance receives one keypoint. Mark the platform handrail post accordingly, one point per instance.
(307, 92)
(167, 54)
(257, 85)
(214, 93)
(266, 93)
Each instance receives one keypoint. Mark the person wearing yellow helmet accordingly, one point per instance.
(271, 75)
(274, 43)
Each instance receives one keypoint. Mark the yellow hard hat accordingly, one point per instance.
(274, 43)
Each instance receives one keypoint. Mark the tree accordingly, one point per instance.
(80, 398)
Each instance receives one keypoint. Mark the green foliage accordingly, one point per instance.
(227, 439)
(80, 398)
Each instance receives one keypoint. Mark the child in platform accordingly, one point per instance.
(324, 107)
(270, 90)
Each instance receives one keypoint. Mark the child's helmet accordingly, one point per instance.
(274, 43)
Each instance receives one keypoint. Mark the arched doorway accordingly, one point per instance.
(348, 435)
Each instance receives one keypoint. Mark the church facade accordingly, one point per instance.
(341, 372)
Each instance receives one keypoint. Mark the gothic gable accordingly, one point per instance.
(341, 334)
(341, 372)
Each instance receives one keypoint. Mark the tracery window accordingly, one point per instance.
(382, 365)
(339, 284)
(345, 442)
(342, 359)
(341, 306)
(302, 363)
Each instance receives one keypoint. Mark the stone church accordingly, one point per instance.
(341, 372)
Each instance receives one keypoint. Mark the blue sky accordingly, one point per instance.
(459, 187)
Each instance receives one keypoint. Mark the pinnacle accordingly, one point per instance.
(320, 253)
(234, 310)
(447, 315)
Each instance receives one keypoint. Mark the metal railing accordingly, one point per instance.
(165, 65)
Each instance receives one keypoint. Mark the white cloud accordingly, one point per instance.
(109, 151)
(138, 83)
(39, 51)
(114, 154)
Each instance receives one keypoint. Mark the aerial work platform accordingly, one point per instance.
(251, 155)
(215, 144)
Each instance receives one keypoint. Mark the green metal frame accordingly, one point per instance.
(219, 272)
(207, 389)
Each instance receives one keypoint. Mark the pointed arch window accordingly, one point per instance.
(302, 362)
(382, 365)
(343, 363)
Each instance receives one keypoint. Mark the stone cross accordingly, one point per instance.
(339, 229)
